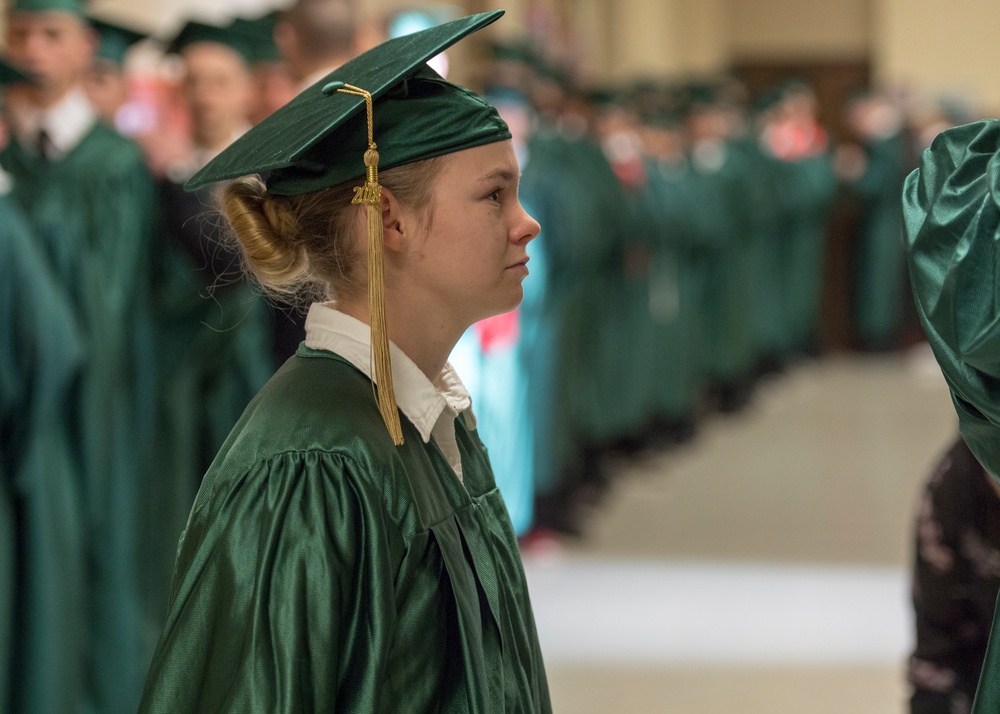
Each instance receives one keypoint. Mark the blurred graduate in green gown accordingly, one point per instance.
(626, 341)
(951, 214)
(42, 620)
(672, 292)
(720, 173)
(213, 328)
(579, 200)
(106, 83)
(90, 205)
(880, 272)
(795, 139)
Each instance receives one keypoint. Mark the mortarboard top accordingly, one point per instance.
(115, 39)
(74, 7)
(318, 139)
(9, 74)
(261, 30)
(194, 32)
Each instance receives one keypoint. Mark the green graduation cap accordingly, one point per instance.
(951, 211)
(261, 31)
(319, 138)
(115, 40)
(233, 37)
(9, 74)
(74, 7)
(384, 108)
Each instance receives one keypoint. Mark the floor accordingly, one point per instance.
(763, 568)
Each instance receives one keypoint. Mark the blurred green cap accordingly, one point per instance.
(115, 39)
(196, 32)
(74, 7)
(261, 32)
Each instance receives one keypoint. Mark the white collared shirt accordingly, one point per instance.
(431, 407)
(66, 122)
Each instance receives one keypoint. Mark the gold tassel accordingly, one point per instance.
(381, 364)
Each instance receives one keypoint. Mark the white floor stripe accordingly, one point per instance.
(594, 611)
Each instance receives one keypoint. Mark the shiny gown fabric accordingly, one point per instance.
(951, 209)
(323, 569)
(92, 214)
(43, 629)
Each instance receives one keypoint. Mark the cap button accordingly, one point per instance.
(331, 88)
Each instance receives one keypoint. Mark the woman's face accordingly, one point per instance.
(471, 258)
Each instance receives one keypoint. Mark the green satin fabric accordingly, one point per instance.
(323, 569)
(806, 191)
(952, 217)
(951, 210)
(881, 277)
(726, 236)
(214, 355)
(92, 214)
(41, 568)
(670, 367)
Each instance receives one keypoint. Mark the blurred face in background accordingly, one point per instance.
(107, 89)
(663, 143)
(56, 48)
(217, 88)
(274, 87)
(708, 124)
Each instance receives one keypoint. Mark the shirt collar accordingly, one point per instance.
(66, 122)
(421, 400)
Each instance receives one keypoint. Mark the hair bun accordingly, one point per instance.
(267, 230)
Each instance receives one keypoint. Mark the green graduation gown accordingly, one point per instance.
(881, 272)
(951, 210)
(718, 187)
(324, 569)
(573, 192)
(93, 214)
(669, 376)
(41, 570)
(214, 354)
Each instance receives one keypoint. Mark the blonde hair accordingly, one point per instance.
(305, 248)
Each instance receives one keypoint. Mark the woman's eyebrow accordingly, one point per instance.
(505, 174)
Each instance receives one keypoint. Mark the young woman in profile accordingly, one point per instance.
(348, 550)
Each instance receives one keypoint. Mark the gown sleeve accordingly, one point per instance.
(951, 209)
(282, 597)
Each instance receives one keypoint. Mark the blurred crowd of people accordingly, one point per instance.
(681, 258)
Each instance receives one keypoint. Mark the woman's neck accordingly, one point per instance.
(425, 338)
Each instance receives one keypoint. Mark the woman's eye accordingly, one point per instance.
(495, 196)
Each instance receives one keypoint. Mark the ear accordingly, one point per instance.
(395, 232)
